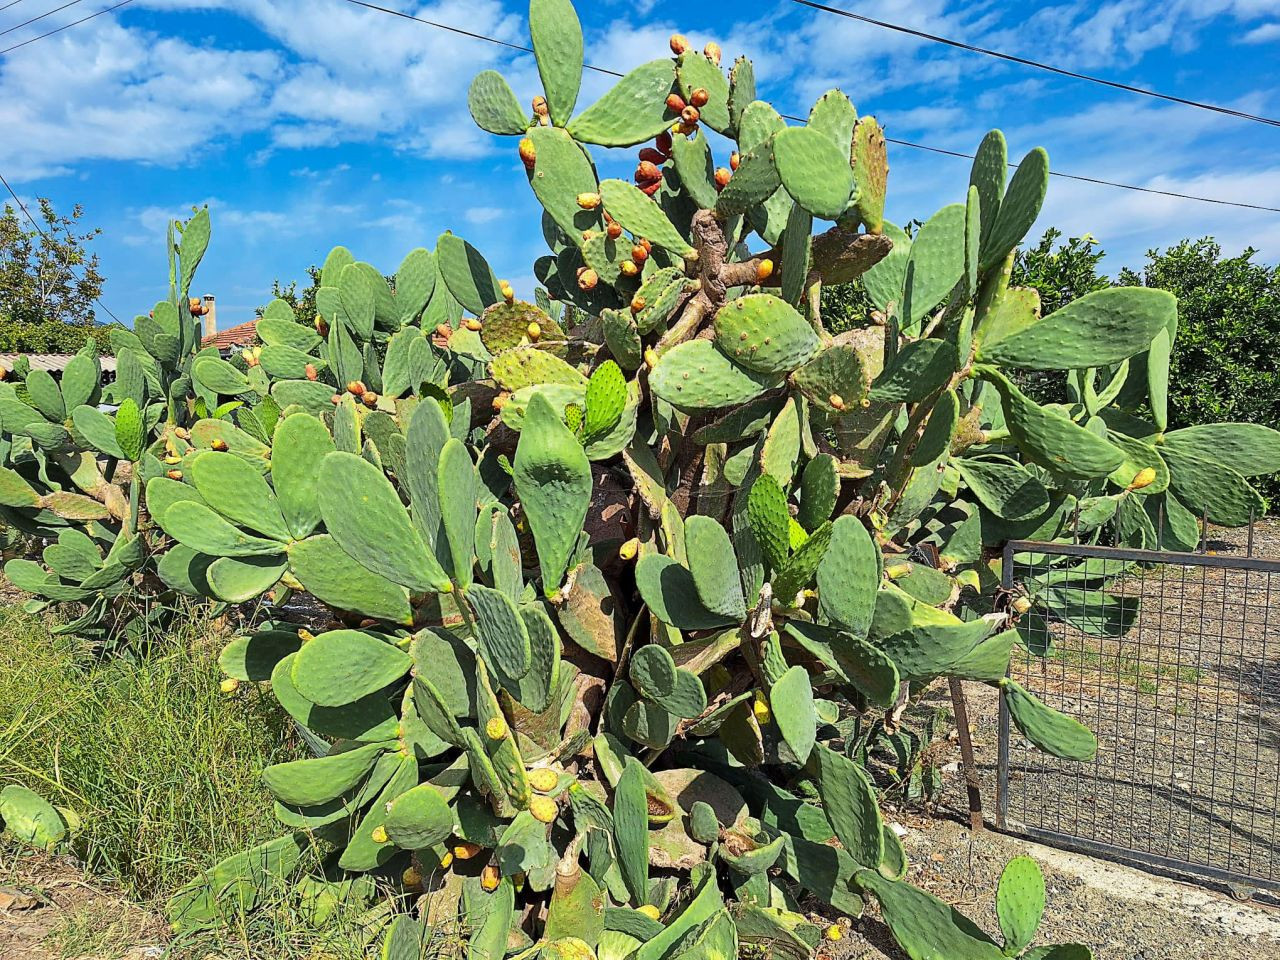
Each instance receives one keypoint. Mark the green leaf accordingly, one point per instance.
(557, 45)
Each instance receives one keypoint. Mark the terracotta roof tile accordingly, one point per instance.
(237, 336)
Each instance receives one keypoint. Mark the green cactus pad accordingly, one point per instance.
(653, 672)
(849, 801)
(698, 376)
(561, 172)
(765, 334)
(45, 394)
(558, 395)
(1051, 439)
(714, 567)
(237, 491)
(837, 372)
(770, 520)
(923, 925)
(537, 686)
(197, 526)
(791, 699)
(1249, 449)
(288, 363)
(341, 666)
(253, 657)
(1211, 488)
(466, 273)
(30, 818)
(501, 633)
(553, 481)
(219, 376)
(363, 512)
(576, 908)
(870, 173)
(692, 159)
(457, 479)
(632, 111)
(990, 168)
(530, 366)
(814, 171)
(641, 217)
(1018, 210)
(98, 430)
(935, 265)
(362, 851)
(819, 486)
(329, 574)
(80, 381)
(798, 571)
(754, 182)
(1006, 489)
(661, 291)
(631, 830)
(1051, 731)
(494, 106)
(921, 367)
(419, 818)
(557, 45)
(308, 783)
(1101, 328)
(668, 589)
(694, 71)
(15, 491)
(796, 261)
(1019, 903)
(742, 89)
(314, 397)
(622, 338)
(238, 580)
(299, 445)
(835, 116)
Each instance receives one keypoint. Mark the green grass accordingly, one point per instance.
(162, 768)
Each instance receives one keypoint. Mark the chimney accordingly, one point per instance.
(210, 316)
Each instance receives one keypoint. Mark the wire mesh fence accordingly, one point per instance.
(1173, 660)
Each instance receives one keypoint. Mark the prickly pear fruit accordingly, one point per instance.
(837, 401)
(649, 189)
(650, 911)
(528, 153)
(369, 399)
(411, 878)
(699, 97)
(760, 707)
(764, 270)
(662, 142)
(639, 253)
(540, 106)
(637, 303)
(722, 177)
(496, 728)
(690, 114)
(533, 331)
(679, 43)
(219, 444)
(379, 835)
(490, 878)
(675, 103)
(543, 779)
(544, 809)
(712, 52)
(471, 323)
(613, 230)
(628, 268)
(1021, 605)
(651, 358)
(588, 279)
(735, 160)
(321, 325)
(466, 850)
(229, 685)
(174, 474)
(508, 294)
(1143, 478)
(311, 371)
(629, 549)
(336, 399)
(588, 201)
(646, 171)
(650, 155)
(833, 933)
(356, 388)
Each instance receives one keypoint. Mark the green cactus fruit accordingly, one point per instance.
(1050, 439)
(326, 572)
(670, 592)
(577, 905)
(501, 634)
(1101, 328)
(870, 173)
(1019, 903)
(632, 111)
(238, 491)
(791, 700)
(419, 818)
(494, 106)
(641, 217)
(819, 487)
(340, 666)
(29, 818)
(631, 830)
(697, 376)
(553, 481)
(924, 926)
(310, 782)
(714, 568)
(466, 273)
(363, 512)
(557, 45)
(1051, 731)
(692, 158)
(849, 801)
(797, 573)
(813, 170)
(921, 368)
(218, 376)
(769, 518)
(765, 334)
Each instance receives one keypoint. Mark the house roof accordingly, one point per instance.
(52, 362)
(237, 336)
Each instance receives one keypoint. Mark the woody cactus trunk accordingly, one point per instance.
(628, 585)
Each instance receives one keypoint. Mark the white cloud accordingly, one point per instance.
(1263, 34)
(483, 214)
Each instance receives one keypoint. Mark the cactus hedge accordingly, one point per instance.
(622, 586)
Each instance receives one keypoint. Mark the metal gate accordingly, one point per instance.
(1173, 660)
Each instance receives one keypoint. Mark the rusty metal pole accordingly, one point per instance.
(966, 754)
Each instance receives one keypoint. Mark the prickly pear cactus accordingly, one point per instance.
(626, 582)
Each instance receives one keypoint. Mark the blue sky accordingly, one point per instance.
(305, 123)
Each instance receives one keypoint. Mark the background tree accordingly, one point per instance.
(49, 281)
(304, 302)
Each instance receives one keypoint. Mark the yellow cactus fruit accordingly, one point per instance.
(411, 878)
(466, 850)
(650, 911)
(471, 323)
(1143, 478)
(508, 294)
(637, 303)
(629, 549)
(833, 933)
(544, 809)
(495, 728)
(174, 474)
(534, 331)
(181, 433)
(219, 444)
(528, 153)
(229, 685)
(837, 401)
(679, 43)
(379, 835)
(171, 460)
(540, 106)
(490, 878)
(588, 201)
(628, 268)
(247, 355)
(712, 52)
(764, 270)
(446, 861)
(651, 358)
(761, 709)
(896, 570)
(543, 779)
(1021, 605)
(588, 279)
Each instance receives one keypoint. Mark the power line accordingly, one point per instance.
(903, 143)
(25, 23)
(11, 3)
(39, 229)
(1037, 64)
(73, 23)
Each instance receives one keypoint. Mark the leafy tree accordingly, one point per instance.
(49, 281)
(304, 302)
